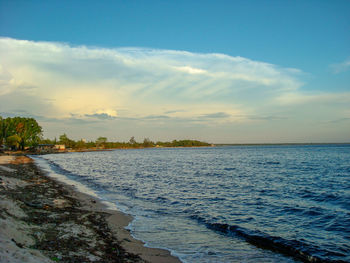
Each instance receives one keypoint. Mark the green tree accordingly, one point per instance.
(27, 129)
(147, 143)
(66, 141)
(13, 141)
(132, 140)
(47, 141)
(8, 128)
(101, 141)
(81, 144)
(2, 130)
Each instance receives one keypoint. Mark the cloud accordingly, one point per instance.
(191, 70)
(156, 117)
(299, 98)
(217, 115)
(173, 111)
(341, 120)
(136, 86)
(264, 117)
(101, 116)
(341, 67)
(86, 81)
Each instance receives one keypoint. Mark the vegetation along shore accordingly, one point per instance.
(21, 133)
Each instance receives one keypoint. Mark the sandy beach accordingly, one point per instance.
(43, 220)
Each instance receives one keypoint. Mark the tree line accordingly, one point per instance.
(103, 143)
(21, 133)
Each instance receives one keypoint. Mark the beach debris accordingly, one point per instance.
(35, 204)
(7, 169)
(40, 221)
(17, 243)
(61, 203)
(11, 182)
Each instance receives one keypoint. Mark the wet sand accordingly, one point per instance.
(43, 220)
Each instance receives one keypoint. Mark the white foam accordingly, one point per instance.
(77, 185)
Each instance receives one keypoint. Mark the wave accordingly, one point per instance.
(269, 163)
(294, 248)
(78, 177)
(300, 208)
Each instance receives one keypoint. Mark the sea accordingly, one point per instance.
(288, 203)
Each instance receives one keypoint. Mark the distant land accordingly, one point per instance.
(281, 144)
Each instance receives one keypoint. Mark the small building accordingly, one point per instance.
(50, 148)
(59, 147)
(44, 147)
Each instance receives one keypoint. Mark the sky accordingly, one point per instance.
(220, 71)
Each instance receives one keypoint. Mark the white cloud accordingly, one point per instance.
(191, 70)
(59, 81)
(85, 81)
(6, 81)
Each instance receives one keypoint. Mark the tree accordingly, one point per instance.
(66, 141)
(132, 140)
(13, 141)
(28, 130)
(64, 138)
(2, 130)
(80, 144)
(101, 141)
(47, 141)
(147, 143)
(8, 128)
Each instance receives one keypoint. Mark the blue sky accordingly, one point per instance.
(221, 71)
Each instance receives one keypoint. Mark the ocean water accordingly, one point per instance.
(226, 204)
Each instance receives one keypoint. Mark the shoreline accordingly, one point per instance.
(55, 222)
(26, 152)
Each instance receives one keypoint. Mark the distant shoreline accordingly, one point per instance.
(96, 150)
(170, 147)
(280, 144)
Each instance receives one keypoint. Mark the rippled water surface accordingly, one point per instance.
(227, 204)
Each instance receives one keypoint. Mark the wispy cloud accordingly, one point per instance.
(88, 81)
(217, 115)
(300, 98)
(101, 116)
(341, 67)
(341, 120)
(79, 84)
